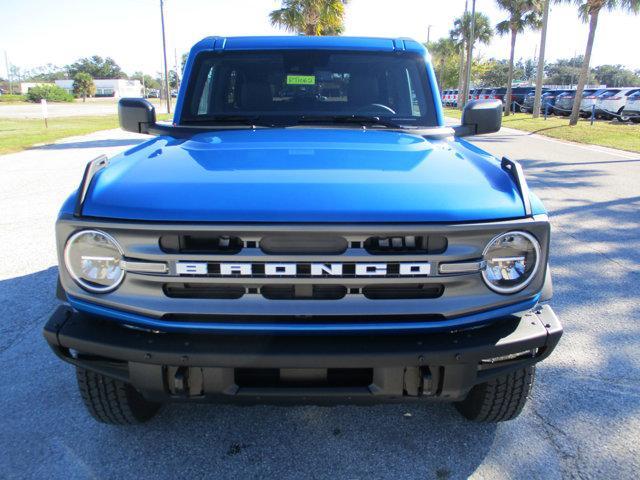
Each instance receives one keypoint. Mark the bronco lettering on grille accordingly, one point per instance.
(304, 269)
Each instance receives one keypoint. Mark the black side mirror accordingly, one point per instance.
(136, 115)
(480, 116)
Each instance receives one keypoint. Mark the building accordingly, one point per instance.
(109, 87)
(26, 86)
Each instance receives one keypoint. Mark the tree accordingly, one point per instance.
(616, 76)
(45, 73)
(83, 85)
(147, 80)
(495, 73)
(310, 17)
(523, 14)
(445, 53)
(564, 71)
(97, 67)
(590, 10)
(460, 34)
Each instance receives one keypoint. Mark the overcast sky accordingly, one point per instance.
(37, 32)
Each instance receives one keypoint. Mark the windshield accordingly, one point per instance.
(292, 87)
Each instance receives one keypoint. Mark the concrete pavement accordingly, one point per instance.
(582, 422)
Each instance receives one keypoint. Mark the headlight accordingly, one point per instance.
(512, 261)
(93, 259)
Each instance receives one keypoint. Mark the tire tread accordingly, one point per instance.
(500, 399)
(112, 401)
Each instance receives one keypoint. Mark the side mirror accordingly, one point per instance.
(480, 116)
(136, 115)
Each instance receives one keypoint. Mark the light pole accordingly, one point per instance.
(429, 33)
(467, 82)
(6, 62)
(164, 53)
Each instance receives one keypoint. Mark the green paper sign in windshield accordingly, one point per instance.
(301, 79)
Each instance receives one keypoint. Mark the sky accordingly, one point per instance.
(37, 32)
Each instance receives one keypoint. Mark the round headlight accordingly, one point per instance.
(512, 260)
(93, 260)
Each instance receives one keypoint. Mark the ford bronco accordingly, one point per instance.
(307, 229)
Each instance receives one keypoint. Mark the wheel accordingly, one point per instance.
(500, 399)
(622, 118)
(112, 401)
(635, 119)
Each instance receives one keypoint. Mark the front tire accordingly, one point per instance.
(112, 401)
(500, 399)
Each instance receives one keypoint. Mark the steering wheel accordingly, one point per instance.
(377, 107)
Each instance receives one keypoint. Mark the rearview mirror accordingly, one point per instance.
(480, 116)
(136, 115)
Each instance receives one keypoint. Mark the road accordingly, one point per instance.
(582, 422)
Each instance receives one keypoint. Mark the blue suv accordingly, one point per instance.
(309, 229)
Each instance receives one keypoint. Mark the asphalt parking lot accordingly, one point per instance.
(582, 422)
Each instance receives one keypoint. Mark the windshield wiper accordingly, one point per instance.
(363, 120)
(249, 120)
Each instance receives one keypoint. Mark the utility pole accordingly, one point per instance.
(6, 62)
(470, 52)
(540, 73)
(164, 53)
(175, 58)
(429, 33)
(462, 52)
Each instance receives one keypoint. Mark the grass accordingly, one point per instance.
(20, 134)
(607, 134)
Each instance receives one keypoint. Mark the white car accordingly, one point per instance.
(632, 108)
(612, 102)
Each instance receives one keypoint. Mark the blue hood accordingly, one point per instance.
(304, 175)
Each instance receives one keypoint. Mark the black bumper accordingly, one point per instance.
(179, 366)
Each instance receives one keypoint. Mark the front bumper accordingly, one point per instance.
(189, 366)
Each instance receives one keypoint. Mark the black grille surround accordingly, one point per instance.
(287, 299)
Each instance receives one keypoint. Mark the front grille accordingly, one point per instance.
(303, 244)
(303, 292)
(402, 292)
(432, 244)
(200, 290)
(201, 243)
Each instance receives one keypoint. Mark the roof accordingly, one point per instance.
(308, 42)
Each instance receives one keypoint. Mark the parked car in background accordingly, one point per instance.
(611, 103)
(484, 94)
(518, 94)
(530, 98)
(498, 94)
(452, 98)
(153, 93)
(589, 101)
(548, 100)
(564, 101)
(632, 108)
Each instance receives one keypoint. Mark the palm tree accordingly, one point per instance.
(310, 17)
(460, 35)
(523, 14)
(540, 71)
(442, 50)
(589, 10)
